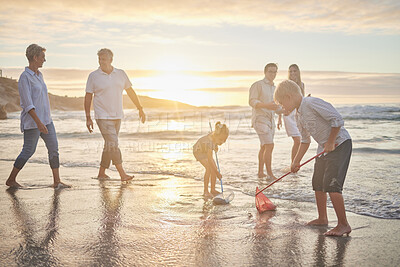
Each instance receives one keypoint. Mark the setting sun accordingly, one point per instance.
(177, 86)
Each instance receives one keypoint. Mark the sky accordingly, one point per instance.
(207, 36)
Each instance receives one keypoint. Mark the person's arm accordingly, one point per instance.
(330, 144)
(212, 164)
(255, 102)
(87, 104)
(279, 121)
(295, 167)
(132, 95)
(42, 128)
(330, 114)
(24, 89)
(271, 105)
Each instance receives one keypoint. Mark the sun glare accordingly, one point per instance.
(174, 85)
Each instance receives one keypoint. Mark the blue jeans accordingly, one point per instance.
(31, 138)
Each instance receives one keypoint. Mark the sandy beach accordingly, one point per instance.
(162, 220)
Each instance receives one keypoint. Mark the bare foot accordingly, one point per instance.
(339, 230)
(286, 169)
(271, 177)
(102, 177)
(13, 184)
(318, 222)
(261, 175)
(214, 192)
(207, 195)
(127, 178)
(61, 185)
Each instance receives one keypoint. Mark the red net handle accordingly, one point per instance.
(316, 156)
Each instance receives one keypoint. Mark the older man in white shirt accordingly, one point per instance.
(107, 85)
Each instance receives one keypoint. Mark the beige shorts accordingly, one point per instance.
(265, 131)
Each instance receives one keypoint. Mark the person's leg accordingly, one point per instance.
(31, 138)
(213, 182)
(320, 198)
(105, 127)
(295, 148)
(338, 163)
(51, 142)
(261, 162)
(320, 194)
(207, 173)
(343, 226)
(115, 152)
(268, 148)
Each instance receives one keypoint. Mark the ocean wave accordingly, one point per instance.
(371, 150)
(370, 112)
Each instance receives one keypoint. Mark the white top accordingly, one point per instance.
(291, 124)
(316, 117)
(107, 90)
(261, 92)
(33, 95)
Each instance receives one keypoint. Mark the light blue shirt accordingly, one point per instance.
(315, 118)
(33, 94)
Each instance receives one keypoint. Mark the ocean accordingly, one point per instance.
(163, 146)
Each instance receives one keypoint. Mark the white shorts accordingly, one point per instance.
(291, 125)
(265, 130)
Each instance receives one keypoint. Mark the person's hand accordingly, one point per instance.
(286, 112)
(273, 106)
(219, 175)
(295, 167)
(89, 124)
(279, 126)
(42, 128)
(142, 116)
(328, 147)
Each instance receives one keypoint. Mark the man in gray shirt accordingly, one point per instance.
(262, 119)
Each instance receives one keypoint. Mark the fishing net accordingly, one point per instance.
(224, 198)
(263, 203)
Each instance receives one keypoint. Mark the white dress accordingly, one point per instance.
(290, 123)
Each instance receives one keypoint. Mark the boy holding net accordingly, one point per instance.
(203, 150)
(321, 120)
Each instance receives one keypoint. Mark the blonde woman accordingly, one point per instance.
(290, 119)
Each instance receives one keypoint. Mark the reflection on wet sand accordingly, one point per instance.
(323, 256)
(34, 251)
(106, 251)
(262, 249)
(207, 238)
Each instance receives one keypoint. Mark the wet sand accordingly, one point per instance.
(159, 220)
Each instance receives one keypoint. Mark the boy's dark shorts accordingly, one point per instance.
(330, 170)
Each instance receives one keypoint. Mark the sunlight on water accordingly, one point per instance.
(173, 152)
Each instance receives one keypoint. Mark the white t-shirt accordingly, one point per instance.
(107, 90)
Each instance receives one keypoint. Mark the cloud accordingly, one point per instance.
(74, 16)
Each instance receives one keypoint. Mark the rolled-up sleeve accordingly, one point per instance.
(25, 96)
(328, 112)
(254, 95)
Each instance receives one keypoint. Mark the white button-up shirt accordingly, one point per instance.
(107, 90)
(261, 92)
(315, 118)
(33, 95)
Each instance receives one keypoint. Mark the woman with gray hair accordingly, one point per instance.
(35, 117)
